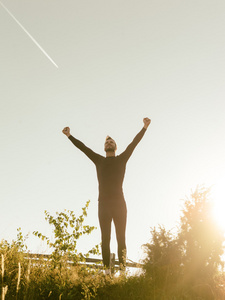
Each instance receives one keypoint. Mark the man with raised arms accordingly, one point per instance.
(112, 206)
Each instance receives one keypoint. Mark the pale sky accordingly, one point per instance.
(118, 62)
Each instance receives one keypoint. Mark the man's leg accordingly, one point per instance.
(120, 220)
(105, 220)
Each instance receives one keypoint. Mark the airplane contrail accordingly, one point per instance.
(30, 36)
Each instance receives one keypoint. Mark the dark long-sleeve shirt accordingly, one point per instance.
(110, 170)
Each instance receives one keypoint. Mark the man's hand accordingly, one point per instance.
(66, 131)
(147, 122)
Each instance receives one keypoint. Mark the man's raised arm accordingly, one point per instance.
(129, 150)
(90, 154)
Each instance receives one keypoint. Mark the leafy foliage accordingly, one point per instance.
(67, 230)
(163, 260)
(12, 256)
(201, 239)
(181, 266)
(191, 258)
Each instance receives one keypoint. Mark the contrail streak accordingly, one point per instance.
(30, 36)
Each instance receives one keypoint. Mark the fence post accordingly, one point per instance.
(112, 262)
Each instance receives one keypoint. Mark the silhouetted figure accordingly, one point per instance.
(112, 205)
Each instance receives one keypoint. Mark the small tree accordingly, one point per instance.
(201, 239)
(67, 230)
(191, 258)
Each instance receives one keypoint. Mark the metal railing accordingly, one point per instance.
(87, 260)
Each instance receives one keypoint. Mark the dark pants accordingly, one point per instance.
(118, 213)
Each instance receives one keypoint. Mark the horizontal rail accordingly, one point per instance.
(96, 261)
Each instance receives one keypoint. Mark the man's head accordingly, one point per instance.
(110, 145)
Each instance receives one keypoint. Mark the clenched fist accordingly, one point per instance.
(147, 122)
(66, 131)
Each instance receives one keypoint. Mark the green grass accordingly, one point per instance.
(42, 280)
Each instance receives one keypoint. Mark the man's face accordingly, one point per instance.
(110, 145)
